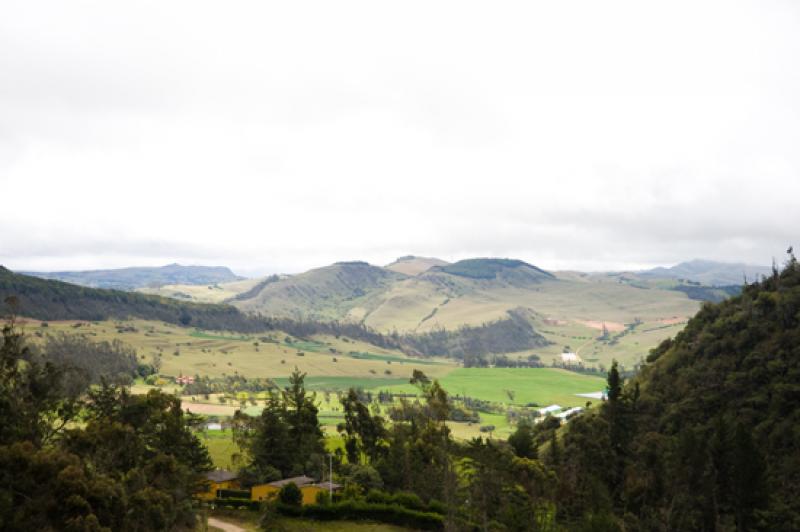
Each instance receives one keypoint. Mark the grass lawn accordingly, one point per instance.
(220, 446)
(334, 383)
(543, 386)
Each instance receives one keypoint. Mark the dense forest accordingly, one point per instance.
(90, 459)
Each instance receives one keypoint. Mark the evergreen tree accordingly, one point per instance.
(522, 440)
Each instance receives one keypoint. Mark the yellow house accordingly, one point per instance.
(265, 492)
(219, 480)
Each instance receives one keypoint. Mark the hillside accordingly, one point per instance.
(718, 408)
(327, 293)
(139, 277)
(211, 293)
(710, 273)
(47, 299)
(412, 265)
(568, 311)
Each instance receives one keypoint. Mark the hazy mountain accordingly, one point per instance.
(412, 265)
(710, 272)
(140, 277)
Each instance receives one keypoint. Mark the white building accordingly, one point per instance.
(566, 414)
(549, 410)
(570, 358)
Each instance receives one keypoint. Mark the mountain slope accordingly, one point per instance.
(139, 277)
(332, 292)
(411, 265)
(47, 299)
(706, 436)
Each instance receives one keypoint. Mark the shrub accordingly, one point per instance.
(237, 504)
(290, 495)
(359, 510)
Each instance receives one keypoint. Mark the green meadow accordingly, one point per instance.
(542, 386)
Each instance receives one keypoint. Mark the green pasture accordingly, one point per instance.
(542, 386)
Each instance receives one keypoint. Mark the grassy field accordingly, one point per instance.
(215, 293)
(542, 386)
(186, 351)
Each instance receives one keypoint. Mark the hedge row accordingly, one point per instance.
(237, 503)
(357, 510)
(405, 499)
(233, 494)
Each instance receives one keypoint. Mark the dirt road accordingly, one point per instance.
(224, 525)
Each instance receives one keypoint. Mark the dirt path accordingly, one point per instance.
(224, 525)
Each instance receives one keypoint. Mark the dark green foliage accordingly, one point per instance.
(290, 495)
(238, 504)
(357, 510)
(490, 268)
(511, 334)
(132, 464)
(522, 440)
(363, 432)
(113, 361)
(713, 294)
(705, 437)
(286, 438)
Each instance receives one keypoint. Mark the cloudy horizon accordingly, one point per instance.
(277, 138)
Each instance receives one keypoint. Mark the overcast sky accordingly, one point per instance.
(280, 136)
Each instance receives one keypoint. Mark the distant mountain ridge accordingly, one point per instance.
(710, 272)
(141, 277)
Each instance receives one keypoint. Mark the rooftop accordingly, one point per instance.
(221, 475)
(297, 481)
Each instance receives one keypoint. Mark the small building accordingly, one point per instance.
(213, 426)
(549, 410)
(181, 379)
(570, 358)
(263, 492)
(309, 489)
(566, 414)
(219, 480)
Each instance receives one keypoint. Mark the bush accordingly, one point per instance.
(405, 499)
(237, 504)
(358, 510)
(290, 495)
(323, 498)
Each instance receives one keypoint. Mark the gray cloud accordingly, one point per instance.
(282, 137)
